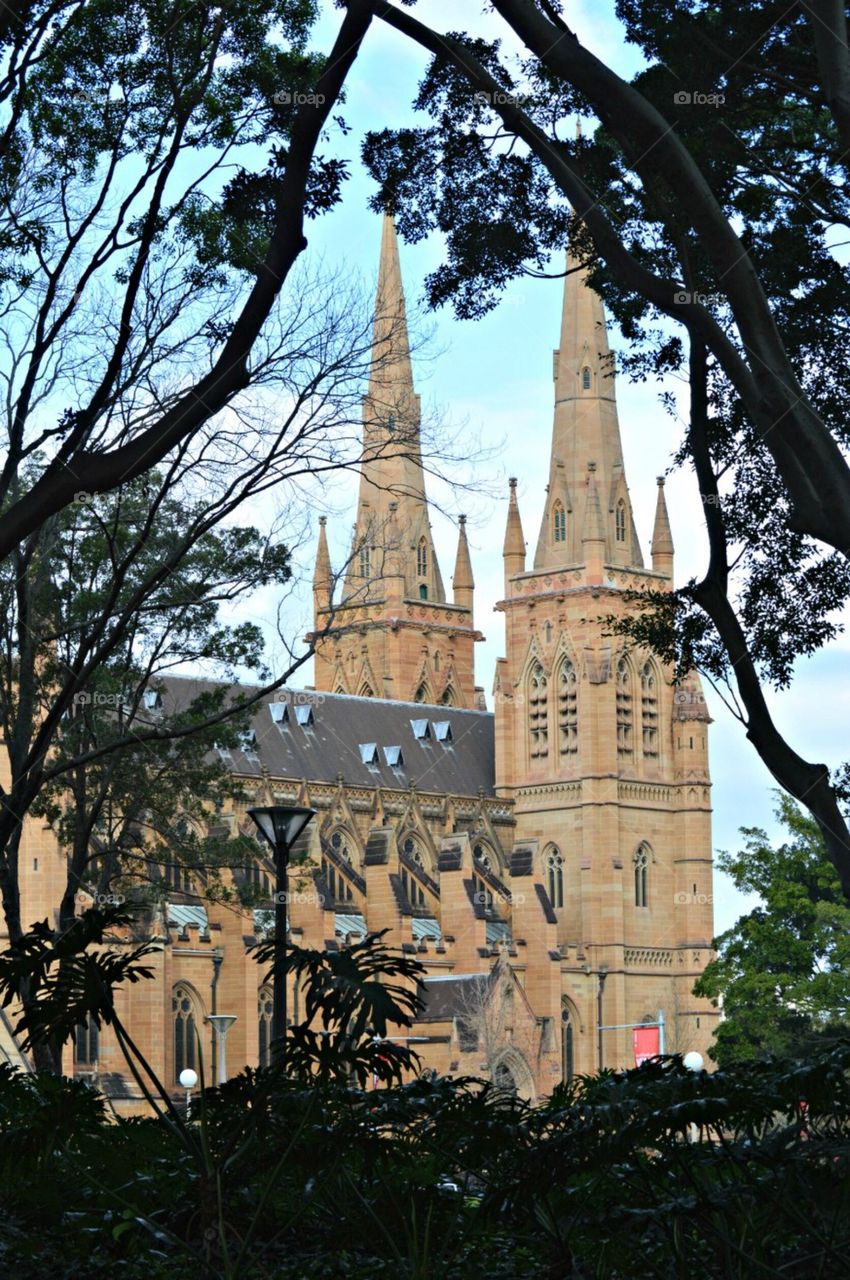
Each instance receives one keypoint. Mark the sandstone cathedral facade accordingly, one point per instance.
(549, 862)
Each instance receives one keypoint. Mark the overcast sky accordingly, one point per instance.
(493, 378)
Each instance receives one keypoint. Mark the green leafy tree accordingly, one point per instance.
(125, 589)
(710, 192)
(158, 160)
(782, 971)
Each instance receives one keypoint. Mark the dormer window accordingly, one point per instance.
(248, 742)
(394, 757)
(421, 729)
(304, 714)
(369, 752)
(279, 713)
(443, 730)
(585, 379)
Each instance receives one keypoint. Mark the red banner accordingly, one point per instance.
(646, 1043)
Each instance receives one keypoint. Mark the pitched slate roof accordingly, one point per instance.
(321, 734)
(454, 996)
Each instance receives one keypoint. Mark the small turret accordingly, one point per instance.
(463, 581)
(513, 551)
(662, 538)
(322, 574)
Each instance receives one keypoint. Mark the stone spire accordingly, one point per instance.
(322, 574)
(392, 461)
(463, 581)
(662, 538)
(513, 551)
(585, 426)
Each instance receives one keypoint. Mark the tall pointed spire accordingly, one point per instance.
(392, 462)
(463, 582)
(391, 367)
(585, 426)
(662, 538)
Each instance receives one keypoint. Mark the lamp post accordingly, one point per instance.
(188, 1080)
(695, 1063)
(221, 1023)
(280, 825)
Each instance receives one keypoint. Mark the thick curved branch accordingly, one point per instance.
(99, 472)
(809, 783)
(828, 23)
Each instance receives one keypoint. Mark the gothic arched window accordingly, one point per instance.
(568, 708)
(585, 379)
(559, 522)
(185, 1015)
(422, 558)
(641, 864)
(265, 1009)
(87, 1042)
(620, 521)
(415, 893)
(567, 1036)
(538, 731)
(448, 698)
(625, 745)
(555, 876)
(649, 710)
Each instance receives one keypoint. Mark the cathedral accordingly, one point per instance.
(548, 862)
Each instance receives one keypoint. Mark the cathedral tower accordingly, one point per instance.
(392, 632)
(605, 760)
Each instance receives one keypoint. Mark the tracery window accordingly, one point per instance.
(538, 730)
(184, 1014)
(641, 865)
(585, 379)
(555, 876)
(620, 521)
(559, 522)
(568, 708)
(649, 710)
(365, 562)
(567, 1036)
(87, 1042)
(412, 887)
(625, 744)
(422, 558)
(265, 1010)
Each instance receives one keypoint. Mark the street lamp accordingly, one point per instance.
(222, 1022)
(280, 825)
(188, 1079)
(695, 1063)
